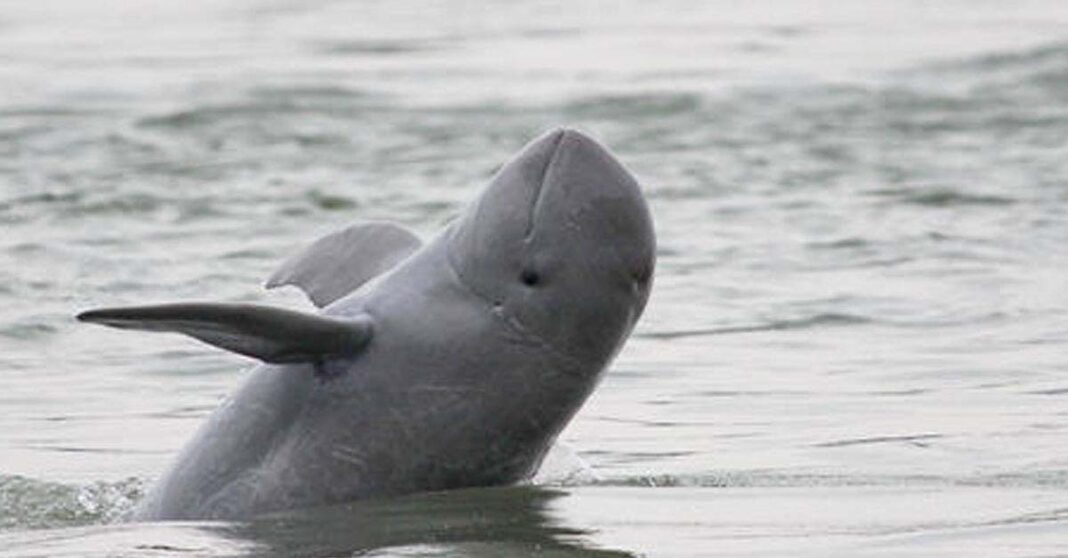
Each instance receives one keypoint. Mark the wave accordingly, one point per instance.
(1042, 60)
(827, 319)
(944, 197)
(1046, 479)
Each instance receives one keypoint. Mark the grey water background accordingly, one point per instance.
(857, 343)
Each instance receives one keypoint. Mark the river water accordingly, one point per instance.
(857, 343)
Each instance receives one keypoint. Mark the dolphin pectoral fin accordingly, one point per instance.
(337, 263)
(270, 334)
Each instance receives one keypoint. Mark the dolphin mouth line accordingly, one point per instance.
(567, 362)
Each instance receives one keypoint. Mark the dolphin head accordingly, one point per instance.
(561, 245)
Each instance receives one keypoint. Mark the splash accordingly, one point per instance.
(27, 503)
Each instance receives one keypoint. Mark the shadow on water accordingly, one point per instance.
(476, 522)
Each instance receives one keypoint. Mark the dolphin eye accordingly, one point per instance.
(529, 277)
(643, 274)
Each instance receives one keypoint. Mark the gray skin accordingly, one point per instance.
(450, 365)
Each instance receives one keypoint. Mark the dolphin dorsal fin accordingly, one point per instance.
(270, 334)
(338, 263)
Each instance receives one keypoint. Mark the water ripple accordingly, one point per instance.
(830, 319)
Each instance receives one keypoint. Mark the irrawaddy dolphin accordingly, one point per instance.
(427, 367)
